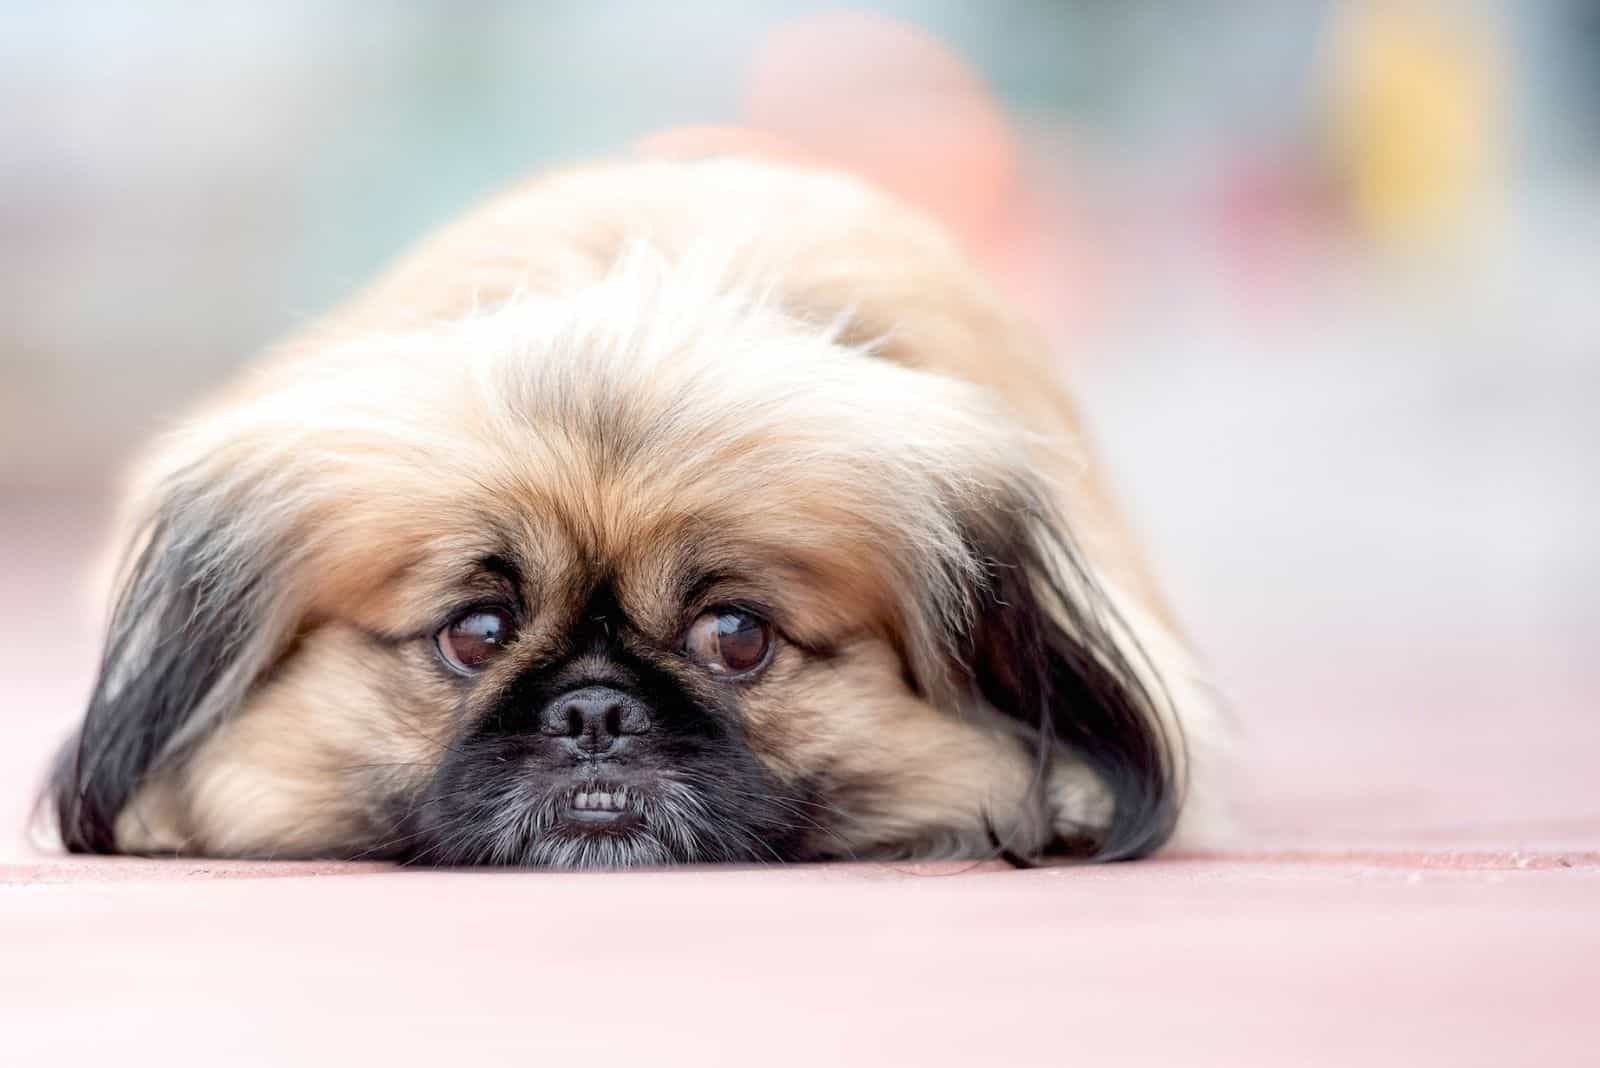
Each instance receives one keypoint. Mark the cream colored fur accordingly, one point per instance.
(815, 371)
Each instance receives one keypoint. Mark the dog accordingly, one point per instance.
(657, 512)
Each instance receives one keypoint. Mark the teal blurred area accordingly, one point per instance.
(1332, 311)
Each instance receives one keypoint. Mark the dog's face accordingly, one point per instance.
(655, 573)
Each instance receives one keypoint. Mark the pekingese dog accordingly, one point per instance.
(658, 512)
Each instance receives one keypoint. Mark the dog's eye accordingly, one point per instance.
(471, 640)
(728, 641)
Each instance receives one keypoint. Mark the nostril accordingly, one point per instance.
(613, 721)
(574, 721)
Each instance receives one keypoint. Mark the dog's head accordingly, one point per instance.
(653, 572)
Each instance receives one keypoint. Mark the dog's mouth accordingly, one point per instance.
(595, 817)
(603, 808)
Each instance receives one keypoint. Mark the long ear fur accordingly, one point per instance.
(199, 617)
(1048, 648)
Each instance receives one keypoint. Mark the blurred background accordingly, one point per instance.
(1325, 275)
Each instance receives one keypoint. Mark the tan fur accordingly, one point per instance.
(716, 317)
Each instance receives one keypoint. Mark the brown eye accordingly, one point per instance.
(727, 641)
(470, 641)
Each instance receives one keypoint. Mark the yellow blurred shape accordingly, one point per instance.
(1416, 97)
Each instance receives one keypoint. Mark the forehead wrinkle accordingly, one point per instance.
(690, 566)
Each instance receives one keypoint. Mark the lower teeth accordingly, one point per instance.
(600, 800)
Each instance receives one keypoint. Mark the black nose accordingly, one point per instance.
(595, 719)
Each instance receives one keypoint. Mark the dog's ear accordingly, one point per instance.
(201, 613)
(1047, 648)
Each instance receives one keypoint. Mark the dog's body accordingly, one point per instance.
(656, 512)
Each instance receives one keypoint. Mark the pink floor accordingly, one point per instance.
(1407, 889)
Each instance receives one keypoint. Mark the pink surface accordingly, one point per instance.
(1169, 962)
(1400, 894)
